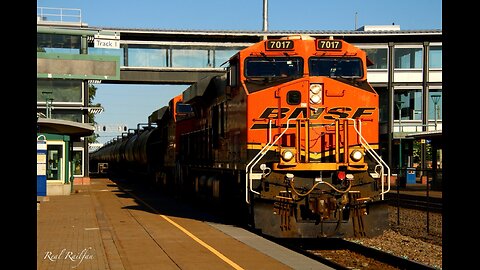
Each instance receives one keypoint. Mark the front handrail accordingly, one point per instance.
(375, 155)
(248, 169)
(258, 157)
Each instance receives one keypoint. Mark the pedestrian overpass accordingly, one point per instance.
(161, 56)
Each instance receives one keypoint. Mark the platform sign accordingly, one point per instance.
(106, 44)
(41, 166)
(107, 41)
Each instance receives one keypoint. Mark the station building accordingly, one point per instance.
(71, 56)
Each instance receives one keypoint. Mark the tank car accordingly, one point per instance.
(133, 154)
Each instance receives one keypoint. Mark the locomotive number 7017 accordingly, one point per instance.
(329, 44)
(279, 45)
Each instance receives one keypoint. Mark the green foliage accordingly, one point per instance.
(92, 91)
(417, 150)
(92, 138)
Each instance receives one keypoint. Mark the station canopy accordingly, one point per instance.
(64, 127)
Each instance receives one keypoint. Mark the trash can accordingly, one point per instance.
(411, 176)
(41, 167)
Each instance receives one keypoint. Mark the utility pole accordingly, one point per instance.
(265, 18)
(356, 13)
(399, 107)
(399, 174)
(48, 103)
(265, 15)
(435, 99)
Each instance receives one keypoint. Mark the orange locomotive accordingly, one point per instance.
(290, 134)
(291, 131)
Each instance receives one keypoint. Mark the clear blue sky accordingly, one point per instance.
(132, 104)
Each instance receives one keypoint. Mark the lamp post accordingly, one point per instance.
(48, 103)
(265, 15)
(399, 107)
(436, 99)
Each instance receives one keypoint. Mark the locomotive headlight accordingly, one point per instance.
(315, 88)
(287, 155)
(315, 99)
(356, 155)
(316, 93)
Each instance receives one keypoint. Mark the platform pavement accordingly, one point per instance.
(79, 231)
(68, 234)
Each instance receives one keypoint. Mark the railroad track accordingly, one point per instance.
(422, 203)
(343, 254)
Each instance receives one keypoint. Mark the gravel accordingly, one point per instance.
(409, 238)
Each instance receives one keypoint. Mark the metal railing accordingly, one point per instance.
(380, 163)
(71, 15)
(412, 126)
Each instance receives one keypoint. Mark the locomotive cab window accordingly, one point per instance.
(184, 111)
(183, 108)
(273, 67)
(342, 67)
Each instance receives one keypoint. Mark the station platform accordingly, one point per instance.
(103, 226)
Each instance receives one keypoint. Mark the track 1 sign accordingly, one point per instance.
(106, 43)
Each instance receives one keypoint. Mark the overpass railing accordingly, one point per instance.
(70, 15)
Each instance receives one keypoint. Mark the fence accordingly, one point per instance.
(71, 15)
(424, 190)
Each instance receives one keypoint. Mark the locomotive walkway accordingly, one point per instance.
(103, 226)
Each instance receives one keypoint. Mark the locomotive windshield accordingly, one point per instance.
(184, 111)
(335, 67)
(183, 108)
(273, 67)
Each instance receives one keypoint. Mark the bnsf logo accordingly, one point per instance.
(315, 113)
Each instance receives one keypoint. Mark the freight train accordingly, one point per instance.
(288, 136)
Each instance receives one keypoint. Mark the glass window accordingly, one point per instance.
(54, 162)
(335, 67)
(183, 108)
(222, 56)
(184, 111)
(77, 162)
(410, 103)
(378, 57)
(435, 104)
(190, 58)
(102, 51)
(147, 57)
(383, 103)
(408, 58)
(61, 90)
(273, 66)
(435, 57)
(62, 50)
(75, 116)
(58, 43)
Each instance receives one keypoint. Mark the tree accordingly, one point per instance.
(92, 91)
(417, 151)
